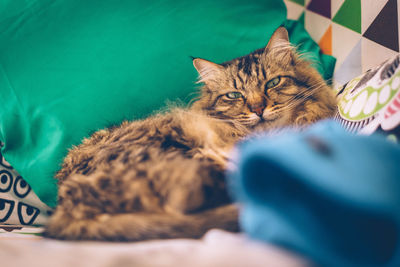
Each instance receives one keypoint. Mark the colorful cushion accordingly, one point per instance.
(371, 102)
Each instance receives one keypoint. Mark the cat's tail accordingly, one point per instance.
(142, 226)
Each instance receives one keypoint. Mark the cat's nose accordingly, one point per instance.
(257, 109)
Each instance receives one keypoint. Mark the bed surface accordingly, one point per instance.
(26, 247)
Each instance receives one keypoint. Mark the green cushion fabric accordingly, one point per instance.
(70, 67)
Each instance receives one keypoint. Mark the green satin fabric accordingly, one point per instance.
(71, 67)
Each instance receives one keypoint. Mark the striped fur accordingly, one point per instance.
(300, 98)
(163, 177)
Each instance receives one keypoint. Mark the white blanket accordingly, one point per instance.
(217, 248)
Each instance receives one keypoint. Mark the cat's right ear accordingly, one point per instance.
(207, 70)
(279, 39)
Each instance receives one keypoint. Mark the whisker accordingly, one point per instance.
(296, 100)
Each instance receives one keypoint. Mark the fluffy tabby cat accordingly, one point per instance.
(163, 177)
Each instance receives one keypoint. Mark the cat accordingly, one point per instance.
(163, 177)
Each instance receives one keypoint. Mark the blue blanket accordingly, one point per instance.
(324, 193)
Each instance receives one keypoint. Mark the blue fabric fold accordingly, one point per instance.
(324, 193)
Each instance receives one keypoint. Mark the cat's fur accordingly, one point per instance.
(163, 177)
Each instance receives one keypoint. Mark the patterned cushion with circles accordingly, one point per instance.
(19, 205)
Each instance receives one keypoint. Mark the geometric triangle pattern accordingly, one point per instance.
(384, 29)
(361, 34)
(312, 19)
(369, 11)
(343, 41)
(326, 41)
(350, 66)
(294, 9)
(349, 15)
(335, 5)
(321, 7)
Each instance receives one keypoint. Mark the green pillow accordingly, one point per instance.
(70, 67)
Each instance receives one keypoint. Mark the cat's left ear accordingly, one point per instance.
(207, 70)
(279, 40)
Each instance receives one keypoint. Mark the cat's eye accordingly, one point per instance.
(234, 95)
(273, 82)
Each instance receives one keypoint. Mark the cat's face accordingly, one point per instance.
(267, 88)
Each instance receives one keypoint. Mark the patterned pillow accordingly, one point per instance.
(19, 205)
(371, 102)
